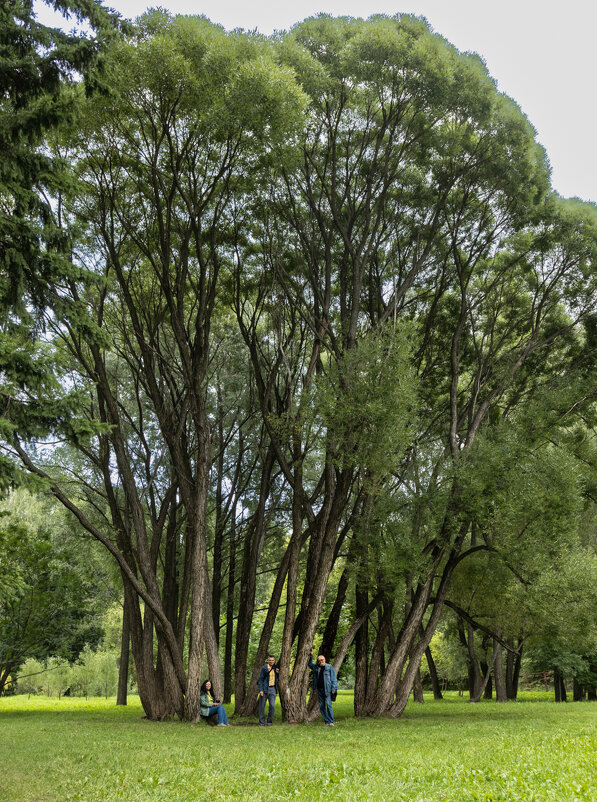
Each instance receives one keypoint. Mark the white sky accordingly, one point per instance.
(541, 52)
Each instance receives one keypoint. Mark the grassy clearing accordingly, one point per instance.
(77, 750)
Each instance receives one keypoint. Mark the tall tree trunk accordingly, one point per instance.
(418, 688)
(513, 663)
(293, 706)
(484, 681)
(331, 627)
(376, 667)
(123, 665)
(391, 680)
(475, 674)
(151, 692)
(501, 694)
(559, 686)
(200, 581)
(252, 548)
(230, 612)
(361, 653)
(250, 700)
(407, 644)
(579, 693)
(488, 692)
(437, 692)
(592, 687)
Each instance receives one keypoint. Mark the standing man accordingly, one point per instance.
(326, 685)
(268, 687)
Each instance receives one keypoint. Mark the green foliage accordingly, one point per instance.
(367, 401)
(38, 63)
(49, 610)
(31, 677)
(377, 218)
(450, 657)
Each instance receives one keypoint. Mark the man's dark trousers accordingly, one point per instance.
(270, 695)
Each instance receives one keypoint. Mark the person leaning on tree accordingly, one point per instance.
(268, 688)
(326, 685)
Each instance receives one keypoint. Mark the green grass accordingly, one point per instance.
(77, 750)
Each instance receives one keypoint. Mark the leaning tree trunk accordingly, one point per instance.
(488, 692)
(376, 663)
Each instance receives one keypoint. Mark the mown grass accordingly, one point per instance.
(77, 750)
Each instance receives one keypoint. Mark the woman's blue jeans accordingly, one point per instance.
(219, 709)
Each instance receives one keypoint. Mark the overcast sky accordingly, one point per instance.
(541, 52)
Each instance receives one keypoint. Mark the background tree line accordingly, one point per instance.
(314, 360)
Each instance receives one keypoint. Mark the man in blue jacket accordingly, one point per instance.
(326, 685)
(268, 688)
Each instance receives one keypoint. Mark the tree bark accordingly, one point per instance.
(123, 665)
(559, 686)
(418, 688)
(513, 663)
(361, 653)
(484, 681)
(437, 692)
(252, 548)
(579, 693)
(501, 694)
(230, 612)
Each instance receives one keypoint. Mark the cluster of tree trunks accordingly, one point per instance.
(304, 310)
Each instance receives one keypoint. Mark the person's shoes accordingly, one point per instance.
(262, 725)
(269, 723)
(329, 724)
(222, 725)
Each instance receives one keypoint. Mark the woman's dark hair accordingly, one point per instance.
(204, 689)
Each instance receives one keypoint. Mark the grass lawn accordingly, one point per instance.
(74, 749)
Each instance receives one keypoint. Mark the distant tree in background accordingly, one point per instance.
(56, 592)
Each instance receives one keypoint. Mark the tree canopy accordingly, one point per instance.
(311, 364)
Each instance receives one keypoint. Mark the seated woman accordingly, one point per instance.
(209, 707)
